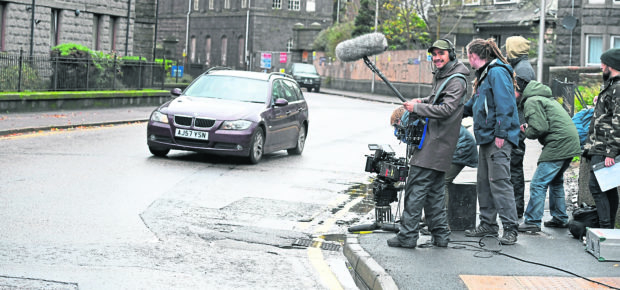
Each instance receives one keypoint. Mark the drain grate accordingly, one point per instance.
(317, 244)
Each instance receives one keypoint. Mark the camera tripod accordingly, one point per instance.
(385, 192)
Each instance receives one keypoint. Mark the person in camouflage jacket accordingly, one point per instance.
(603, 142)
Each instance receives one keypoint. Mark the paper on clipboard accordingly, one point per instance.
(607, 177)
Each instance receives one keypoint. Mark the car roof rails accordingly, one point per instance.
(217, 68)
(279, 74)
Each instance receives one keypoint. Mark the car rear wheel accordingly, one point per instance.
(158, 152)
(301, 141)
(256, 146)
(317, 89)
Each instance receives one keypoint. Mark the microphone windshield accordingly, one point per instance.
(363, 45)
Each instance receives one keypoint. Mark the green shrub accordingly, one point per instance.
(588, 94)
(30, 78)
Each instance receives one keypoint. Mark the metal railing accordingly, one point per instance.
(567, 92)
(19, 72)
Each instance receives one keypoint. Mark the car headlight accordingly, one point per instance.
(236, 125)
(158, 116)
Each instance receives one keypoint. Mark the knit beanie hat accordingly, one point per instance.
(521, 84)
(612, 58)
(517, 46)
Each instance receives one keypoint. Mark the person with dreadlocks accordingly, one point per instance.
(496, 128)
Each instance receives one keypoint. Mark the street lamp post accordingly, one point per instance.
(372, 84)
(32, 28)
(541, 40)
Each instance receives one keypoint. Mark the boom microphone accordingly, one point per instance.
(361, 46)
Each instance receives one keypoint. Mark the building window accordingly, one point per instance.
(196, 5)
(504, 1)
(97, 31)
(211, 6)
(113, 31)
(615, 42)
(55, 28)
(226, 4)
(471, 2)
(224, 49)
(192, 52)
(310, 5)
(241, 51)
(276, 4)
(293, 5)
(497, 37)
(594, 49)
(244, 3)
(208, 51)
(289, 45)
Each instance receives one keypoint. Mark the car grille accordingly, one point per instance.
(204, 123)
(198, 122)
(183, 120)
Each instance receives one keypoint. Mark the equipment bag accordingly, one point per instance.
(583, 218)
(416, 126)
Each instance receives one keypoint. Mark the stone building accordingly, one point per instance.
(499, 19)
(588, 28)
(100, 25)
(242, 34)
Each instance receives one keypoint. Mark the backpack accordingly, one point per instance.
(582, 122)
(415, 126)
(583, 218)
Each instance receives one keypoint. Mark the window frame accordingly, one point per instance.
(276, 4)
(294, 5)
(588, 61)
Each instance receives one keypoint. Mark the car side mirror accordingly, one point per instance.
(176, 92)
(281, 102)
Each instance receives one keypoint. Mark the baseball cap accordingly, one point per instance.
(441, 44)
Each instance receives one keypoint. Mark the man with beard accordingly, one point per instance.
(429, 161)
(603, 143)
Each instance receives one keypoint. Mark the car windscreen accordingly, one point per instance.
(305, 68)
(229, 88)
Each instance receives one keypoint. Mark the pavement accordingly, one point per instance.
(550, 259)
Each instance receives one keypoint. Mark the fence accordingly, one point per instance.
(567, 92)
(47, 73)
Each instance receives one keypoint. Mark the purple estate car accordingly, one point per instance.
(230, 112)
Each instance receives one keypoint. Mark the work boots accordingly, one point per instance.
(482, 230)
(509, 237)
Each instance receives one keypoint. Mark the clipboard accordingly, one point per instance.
(607, 177)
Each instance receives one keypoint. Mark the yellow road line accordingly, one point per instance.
(315, 255)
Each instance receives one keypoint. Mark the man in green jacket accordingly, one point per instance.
(548, 122)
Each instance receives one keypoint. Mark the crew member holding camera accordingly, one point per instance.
(430, 160)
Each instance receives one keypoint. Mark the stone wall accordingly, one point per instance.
(76, 24)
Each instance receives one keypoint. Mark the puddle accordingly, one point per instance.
(362, 189)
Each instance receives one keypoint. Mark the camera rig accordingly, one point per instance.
(389, 170)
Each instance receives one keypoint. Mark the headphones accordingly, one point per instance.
(451, 50)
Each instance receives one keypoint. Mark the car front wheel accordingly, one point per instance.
(301, 141)
(256, 146)
(158, 152)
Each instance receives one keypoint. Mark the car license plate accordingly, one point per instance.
(200, 135)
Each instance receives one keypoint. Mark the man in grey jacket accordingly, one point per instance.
(429, 162)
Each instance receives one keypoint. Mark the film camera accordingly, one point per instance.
(389, 170)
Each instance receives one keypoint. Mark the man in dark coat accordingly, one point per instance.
(517, 49)
(428, 164)
(603, 143)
